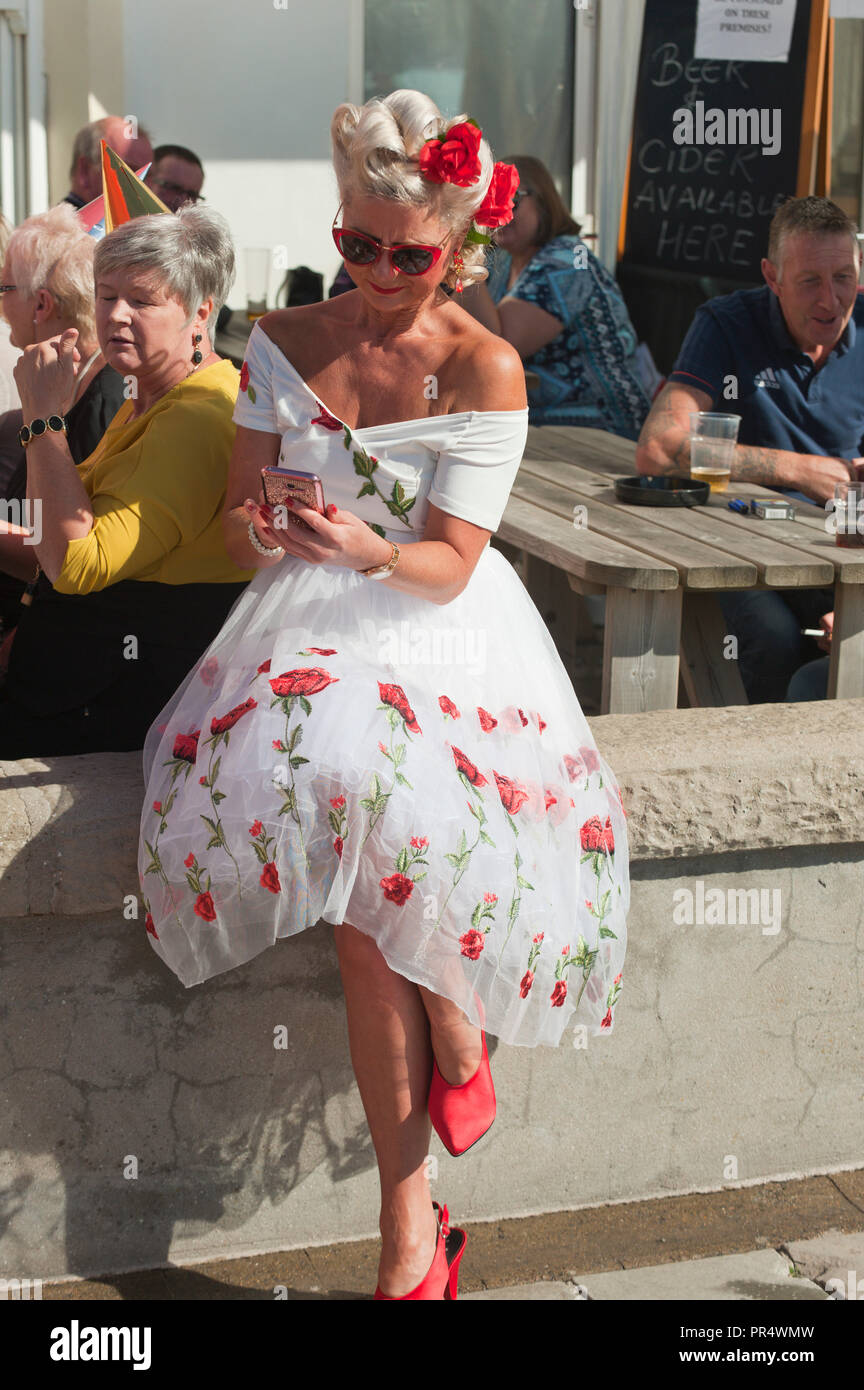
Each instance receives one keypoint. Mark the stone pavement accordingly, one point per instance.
(784, 1241)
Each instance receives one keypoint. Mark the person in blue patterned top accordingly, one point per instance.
(560, 308)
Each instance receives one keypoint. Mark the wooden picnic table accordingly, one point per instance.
(660, 569)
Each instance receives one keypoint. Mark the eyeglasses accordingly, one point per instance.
(180, 191)
(519, 195)
(359, 249)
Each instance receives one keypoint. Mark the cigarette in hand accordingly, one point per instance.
(813, 632)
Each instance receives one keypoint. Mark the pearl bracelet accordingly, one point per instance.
(260, 547)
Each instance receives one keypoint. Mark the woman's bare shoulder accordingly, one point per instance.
(490, 369)
(285, 327)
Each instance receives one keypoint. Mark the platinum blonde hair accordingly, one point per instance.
(375, 153)
(190, 254)
(51, 251)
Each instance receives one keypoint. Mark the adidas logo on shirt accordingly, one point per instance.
(767, 379)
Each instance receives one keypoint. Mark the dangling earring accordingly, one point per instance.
(197, 355)
(458, 266)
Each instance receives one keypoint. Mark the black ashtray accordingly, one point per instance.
(666, 491)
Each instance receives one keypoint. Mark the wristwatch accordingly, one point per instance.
(381, 571)
(55, 423)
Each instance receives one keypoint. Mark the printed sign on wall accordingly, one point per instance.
(755, 31)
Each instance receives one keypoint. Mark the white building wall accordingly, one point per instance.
(251, 89)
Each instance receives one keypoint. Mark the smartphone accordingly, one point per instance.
(305, 488)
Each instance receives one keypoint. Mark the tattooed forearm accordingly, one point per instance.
(755, 465)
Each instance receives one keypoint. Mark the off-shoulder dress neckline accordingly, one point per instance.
(392, 424)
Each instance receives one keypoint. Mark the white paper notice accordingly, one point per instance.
(847, 9)
(756, 31)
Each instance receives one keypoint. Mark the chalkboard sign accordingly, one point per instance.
(717, 146)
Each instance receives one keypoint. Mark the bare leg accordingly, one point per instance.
(455, 1042)
(388, 1033)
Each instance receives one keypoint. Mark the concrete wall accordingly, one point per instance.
(737, 1056)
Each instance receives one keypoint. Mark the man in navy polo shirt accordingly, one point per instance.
(789, 359)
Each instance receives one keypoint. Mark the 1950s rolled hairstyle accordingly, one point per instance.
(190, 255)
(375, 154)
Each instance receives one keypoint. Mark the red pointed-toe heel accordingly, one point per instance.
(443, 1276)
(462, 1114)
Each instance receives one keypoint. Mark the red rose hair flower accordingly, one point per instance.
(453, 159)
(496, 210)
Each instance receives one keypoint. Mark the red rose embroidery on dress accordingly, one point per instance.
(472, 944)
(265, 666)
(326, 419)
(448, 707)
(186, 746)
(395, 696)
(318, 651)
(227, 721)
(597, 837)
(244, 376)
(398, 888)
(467, 768)
(511, 794)
(208, 671)
(338, 845)
(270, 878)
(255, 828)
(204, 907)
(486, 720)
(607, 1021)
(148, 925)
(306, 681)
(526, 983)
(559, 994)
(338, 802)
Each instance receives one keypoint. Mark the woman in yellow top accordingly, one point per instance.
(135, 581)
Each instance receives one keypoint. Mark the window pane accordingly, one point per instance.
(506, 64)
(848, 101)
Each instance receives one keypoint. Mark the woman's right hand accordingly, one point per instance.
(261, 517)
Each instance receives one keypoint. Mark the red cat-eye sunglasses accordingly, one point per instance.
(360, 249)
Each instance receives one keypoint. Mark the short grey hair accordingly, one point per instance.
(190, 254)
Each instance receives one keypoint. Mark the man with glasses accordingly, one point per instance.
(176, 176)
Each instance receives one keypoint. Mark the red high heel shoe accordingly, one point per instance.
(443, 1276)
(462, 1114)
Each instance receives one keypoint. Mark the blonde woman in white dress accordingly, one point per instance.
(382, 737)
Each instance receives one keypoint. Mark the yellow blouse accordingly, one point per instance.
(157, 488)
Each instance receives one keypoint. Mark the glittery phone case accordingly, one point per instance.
(305, 488)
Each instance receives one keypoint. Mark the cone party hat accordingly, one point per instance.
(124, 193)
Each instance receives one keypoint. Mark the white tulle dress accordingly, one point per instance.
(344, 752)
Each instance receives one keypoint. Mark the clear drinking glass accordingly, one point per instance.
(257, 259)
(712, 442)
